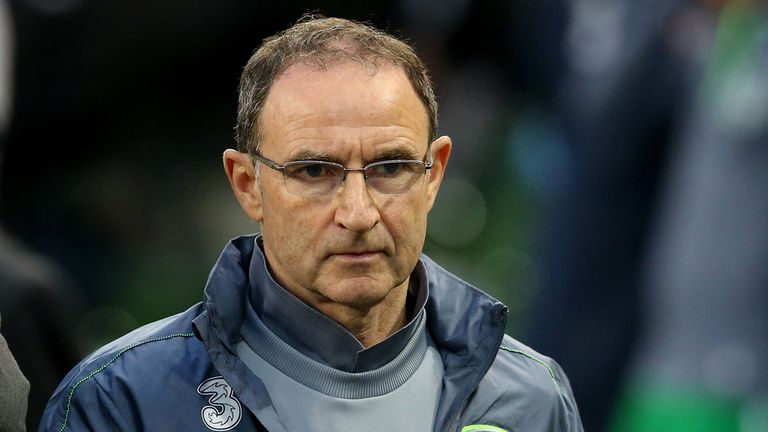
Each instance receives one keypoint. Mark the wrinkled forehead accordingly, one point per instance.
(322, 65)
(307, 98)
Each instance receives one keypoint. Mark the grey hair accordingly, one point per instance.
(322, 42)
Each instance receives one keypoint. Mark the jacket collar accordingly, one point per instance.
(466, 324)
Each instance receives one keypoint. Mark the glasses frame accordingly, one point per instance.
(426, 162)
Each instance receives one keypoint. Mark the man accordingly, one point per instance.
(330, 320)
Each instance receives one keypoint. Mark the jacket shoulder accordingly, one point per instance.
(88, 396)
(525, 390)
(530, 367)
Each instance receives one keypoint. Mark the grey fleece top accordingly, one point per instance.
(319, 377)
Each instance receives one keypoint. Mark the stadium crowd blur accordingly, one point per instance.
(609, 181)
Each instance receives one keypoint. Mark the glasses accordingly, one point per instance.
(312, 178)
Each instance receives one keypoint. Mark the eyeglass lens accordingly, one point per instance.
(322, 178)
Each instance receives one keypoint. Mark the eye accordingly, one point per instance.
(314, 170)
(311, 170)
(387, 169)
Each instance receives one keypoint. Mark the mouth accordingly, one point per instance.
(357, 255)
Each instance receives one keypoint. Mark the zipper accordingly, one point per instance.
(454, 418)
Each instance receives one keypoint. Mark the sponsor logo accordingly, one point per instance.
(482, 428)
(224, 411)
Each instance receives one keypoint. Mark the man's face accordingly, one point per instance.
(355, 246)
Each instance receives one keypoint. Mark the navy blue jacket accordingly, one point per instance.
(181, 373)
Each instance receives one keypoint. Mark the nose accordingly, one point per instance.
(356, 210)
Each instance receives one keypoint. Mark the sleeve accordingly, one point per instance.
(15, 390)
(569, 416)
(525, 391)
(83, 406)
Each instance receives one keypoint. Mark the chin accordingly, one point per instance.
(359, 292)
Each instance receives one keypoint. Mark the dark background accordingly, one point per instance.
(572, 124)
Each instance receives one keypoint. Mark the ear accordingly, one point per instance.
(242, 177)
(441, 151)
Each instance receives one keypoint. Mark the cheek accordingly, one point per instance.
(407, 224)
(294, 225)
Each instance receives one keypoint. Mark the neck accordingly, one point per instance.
(370, 325)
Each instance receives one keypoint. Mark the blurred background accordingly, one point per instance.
(609, 181)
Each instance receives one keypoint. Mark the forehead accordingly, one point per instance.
(344, 102)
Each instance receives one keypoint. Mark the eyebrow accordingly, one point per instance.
(309, 155)
(390, 154)
(394, 154)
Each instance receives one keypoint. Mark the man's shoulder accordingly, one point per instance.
(161, 355)
(529, 368)
(529, 390)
